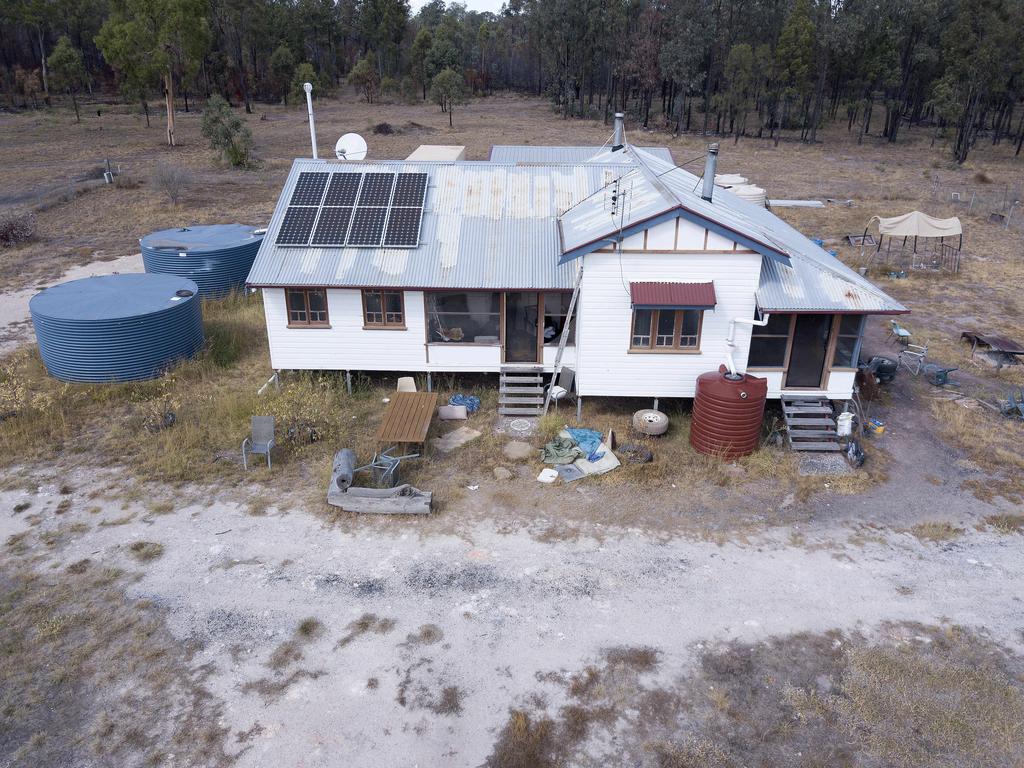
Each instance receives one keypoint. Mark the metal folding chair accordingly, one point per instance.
(261, 441)
(912, 357)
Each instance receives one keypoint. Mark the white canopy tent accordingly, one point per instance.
(917, 225)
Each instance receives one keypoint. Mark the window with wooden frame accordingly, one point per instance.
(383, 309)
(307, 307)
(556, 310)
(848, 332)
(666, 330)
(770, 343)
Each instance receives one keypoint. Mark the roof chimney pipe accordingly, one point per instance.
(709, 172)
(619, 137)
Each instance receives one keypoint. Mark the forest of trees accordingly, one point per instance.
(732, 67)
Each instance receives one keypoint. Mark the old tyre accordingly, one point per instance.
(650, 422)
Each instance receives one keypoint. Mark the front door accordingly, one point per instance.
(810, 347)
(521, 332)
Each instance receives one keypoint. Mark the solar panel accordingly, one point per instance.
(309, 188)
(332, 226)
(343, 188)
(367, 226)
(376, 189)
(297, 224)
(403, 227)
(409, 189)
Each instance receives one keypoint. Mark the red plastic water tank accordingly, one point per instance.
(727, 414)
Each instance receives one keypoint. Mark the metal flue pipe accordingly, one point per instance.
(619, 136)
(709, 172)
(308, 88)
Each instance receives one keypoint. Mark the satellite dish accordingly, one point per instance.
(351, 146)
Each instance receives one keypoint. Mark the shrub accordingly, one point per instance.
(304, 73)
(16, 228)
(172, 180)
(227, 132)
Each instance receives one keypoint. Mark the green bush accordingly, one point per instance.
(227, 132)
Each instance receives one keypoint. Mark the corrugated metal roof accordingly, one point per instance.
(805, 278)
(547, 155)
(485, 225)
(673, 295)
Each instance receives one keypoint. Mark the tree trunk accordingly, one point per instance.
(169, 94)
(74, 100)
(145, 109)
(45, 69)
(450, 111)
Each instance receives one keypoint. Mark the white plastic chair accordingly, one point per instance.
(406, 384)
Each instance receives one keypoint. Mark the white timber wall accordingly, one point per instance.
(607, 367)
(347, 345)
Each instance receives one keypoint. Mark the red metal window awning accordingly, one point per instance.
(672, 295)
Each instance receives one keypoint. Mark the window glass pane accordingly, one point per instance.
(849, 325)
(691, 322)
(666, 329)
(767, 353)
(642, 327)
(556, 307)
(471, 317)
(317, 306)
(393, 307)
(374, 313)
(777, 325)
(297, 307)
(844, 352)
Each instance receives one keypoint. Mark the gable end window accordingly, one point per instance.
(666, 330)
(307, 307)
(383, 309)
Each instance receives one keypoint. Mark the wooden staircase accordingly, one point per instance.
(810, 423)
(521, 390)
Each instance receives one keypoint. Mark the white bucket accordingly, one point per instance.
(844, 424)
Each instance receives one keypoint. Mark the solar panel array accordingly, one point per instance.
(355, 209)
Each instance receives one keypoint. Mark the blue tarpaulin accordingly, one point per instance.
(589, 440)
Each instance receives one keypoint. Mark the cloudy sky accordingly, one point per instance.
(473, 5)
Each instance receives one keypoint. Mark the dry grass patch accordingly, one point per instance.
(1006, 523)
(366, 624)
(936, 531)
(100, 677)
(146, 551)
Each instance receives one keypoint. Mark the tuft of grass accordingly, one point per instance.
(365, 624)
(146, 551)
(450, 701)
(21, 507)
(525, 742)
(1006, 523)
(936, 531)
(309, 628)
(638, 658)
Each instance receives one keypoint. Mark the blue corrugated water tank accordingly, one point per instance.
(117, 327)
(218, 256)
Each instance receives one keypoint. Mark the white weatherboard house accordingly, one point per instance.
(465, 266)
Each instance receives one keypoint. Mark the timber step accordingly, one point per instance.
(506, 410)
(516, 390)
(520, 400)
(521, 390)
(810, 424)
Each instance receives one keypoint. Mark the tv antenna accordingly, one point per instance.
(351, 146)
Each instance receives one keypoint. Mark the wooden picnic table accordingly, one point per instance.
(407, 418)
(992, 341)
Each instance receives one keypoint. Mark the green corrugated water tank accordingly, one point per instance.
(217, 257)
(117, 327)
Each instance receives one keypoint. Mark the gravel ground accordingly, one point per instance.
(494, 614)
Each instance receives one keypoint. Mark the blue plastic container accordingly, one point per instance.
(217, 257)
(117, 327)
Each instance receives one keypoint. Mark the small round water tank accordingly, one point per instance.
(727, 414)
(751, 194)
(117, 327)
(217, 257)
(727, 180)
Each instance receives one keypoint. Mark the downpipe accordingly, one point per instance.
(730, 340)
